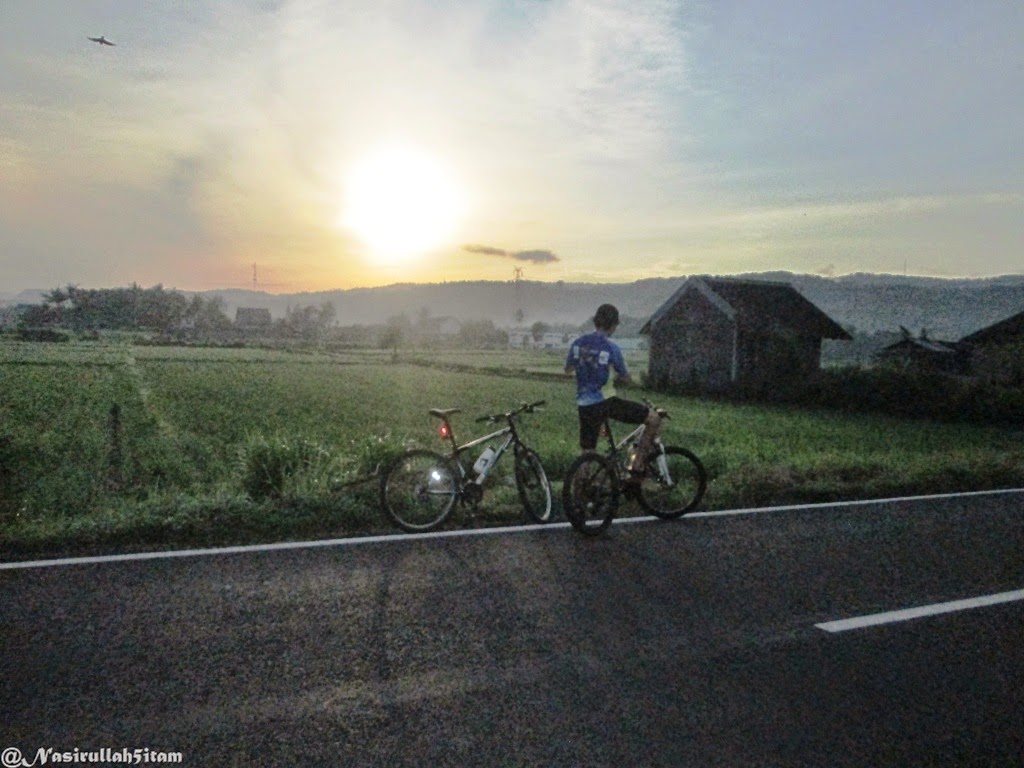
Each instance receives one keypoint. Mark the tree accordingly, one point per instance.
(207, 315)
(537, 330)
(310, 323)
(395, 330)
(160, 310)
(482, 333)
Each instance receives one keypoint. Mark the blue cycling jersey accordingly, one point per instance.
(594, 357)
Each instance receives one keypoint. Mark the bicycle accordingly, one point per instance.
(672, 484)
(419, 488)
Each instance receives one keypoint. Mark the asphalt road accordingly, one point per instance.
(669, 644)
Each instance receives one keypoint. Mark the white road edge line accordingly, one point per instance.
(892, 617)
(398, 537)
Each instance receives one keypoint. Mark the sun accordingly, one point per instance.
(401, 202)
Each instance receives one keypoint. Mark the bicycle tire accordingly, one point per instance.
(678, 493)
(533, 485)
(418, 490)
(590, 494)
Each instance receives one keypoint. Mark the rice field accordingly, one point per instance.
(108, 445)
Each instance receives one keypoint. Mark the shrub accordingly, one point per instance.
(42, 334)
(370, 454)
(276, 465)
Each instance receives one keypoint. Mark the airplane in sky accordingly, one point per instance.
(101, 40)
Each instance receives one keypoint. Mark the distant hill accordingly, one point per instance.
(31, 296)
(947, 308)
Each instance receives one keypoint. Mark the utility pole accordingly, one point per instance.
(517, 277)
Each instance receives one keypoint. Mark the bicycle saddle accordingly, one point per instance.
(443, 412)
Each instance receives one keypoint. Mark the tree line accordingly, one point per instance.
(160, 311)
(126, 309)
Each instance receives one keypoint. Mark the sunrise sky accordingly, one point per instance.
(337, 143)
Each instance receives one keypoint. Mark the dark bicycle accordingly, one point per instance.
(420, 487)
(672, 485)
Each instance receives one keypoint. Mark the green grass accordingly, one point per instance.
(223, 446)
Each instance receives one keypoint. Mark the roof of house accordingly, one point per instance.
(1004, 330)
(922, 345)
(754, 303)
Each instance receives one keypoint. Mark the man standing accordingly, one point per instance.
(594, 358)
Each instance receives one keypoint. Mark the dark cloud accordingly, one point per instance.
(537, 257)
(485, 249)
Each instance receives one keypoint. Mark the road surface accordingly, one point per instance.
(710, 641)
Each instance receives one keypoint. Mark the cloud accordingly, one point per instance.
(535, 256)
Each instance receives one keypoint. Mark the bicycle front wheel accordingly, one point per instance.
(418, 490)
(674, 484)
(533, 486)
(590, 495)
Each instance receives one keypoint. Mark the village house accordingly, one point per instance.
(523, 337)
(920, 353)
(725, 334)
(996, 352)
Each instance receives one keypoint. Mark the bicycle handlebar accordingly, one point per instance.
(524, 408)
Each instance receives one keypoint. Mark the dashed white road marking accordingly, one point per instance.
(399, 537)
(906, 614)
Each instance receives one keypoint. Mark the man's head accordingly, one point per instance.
(606, 318)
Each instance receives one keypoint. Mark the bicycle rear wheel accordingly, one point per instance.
(533, 486)
(674, 484)
(590, 495)
(418, 490)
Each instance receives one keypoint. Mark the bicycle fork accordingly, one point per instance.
(661, 462)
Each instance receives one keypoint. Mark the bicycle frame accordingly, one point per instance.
(499, 452)
(615, 449)
(508, 432)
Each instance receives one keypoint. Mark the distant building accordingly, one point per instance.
(252, 319)
(722, 334)
(927, 355)
(525, 339)
(996, 352)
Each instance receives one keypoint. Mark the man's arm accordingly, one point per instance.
(622, 374)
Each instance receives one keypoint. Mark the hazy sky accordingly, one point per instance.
(339, 143)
